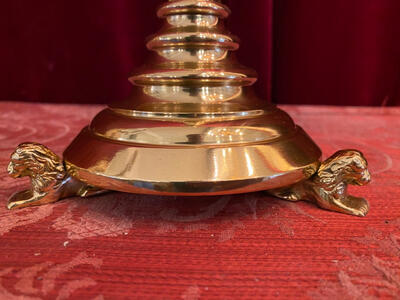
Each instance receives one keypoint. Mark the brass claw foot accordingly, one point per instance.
(328, 187)
(50, 181)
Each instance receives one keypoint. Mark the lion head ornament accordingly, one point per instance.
(38, 162)
(348, 166)
(43, 167)
(49, 178)
(328, 186)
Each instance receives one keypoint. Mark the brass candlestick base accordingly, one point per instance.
(192, 126)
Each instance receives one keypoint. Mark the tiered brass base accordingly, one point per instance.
(192, 126)
(193, 169)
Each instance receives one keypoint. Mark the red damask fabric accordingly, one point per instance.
(336, 52)
(121, 246)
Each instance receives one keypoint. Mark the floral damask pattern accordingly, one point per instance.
(47, 273)
(118, 246)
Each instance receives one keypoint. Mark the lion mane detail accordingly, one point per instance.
(43, 166)
(348, 166)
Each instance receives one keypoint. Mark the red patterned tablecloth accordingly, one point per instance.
(121, 246)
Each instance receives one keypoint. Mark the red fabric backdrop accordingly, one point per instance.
(321, 52)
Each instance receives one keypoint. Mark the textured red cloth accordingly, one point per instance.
(121, 246)
(324, 52)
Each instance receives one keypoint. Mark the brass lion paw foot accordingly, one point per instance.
(353, 206)
(328, 187)
(50, 181)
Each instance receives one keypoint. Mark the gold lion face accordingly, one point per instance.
(23, 163)
(359, 174)
(364, 178)
(37, 162)
(17, 166)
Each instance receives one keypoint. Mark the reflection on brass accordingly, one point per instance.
(192, 125)
(49, 180)
(328, 187)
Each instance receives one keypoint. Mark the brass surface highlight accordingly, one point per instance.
(191, 126)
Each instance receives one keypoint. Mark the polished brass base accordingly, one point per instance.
(192, 169)
(327, 187)
(192, 126)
